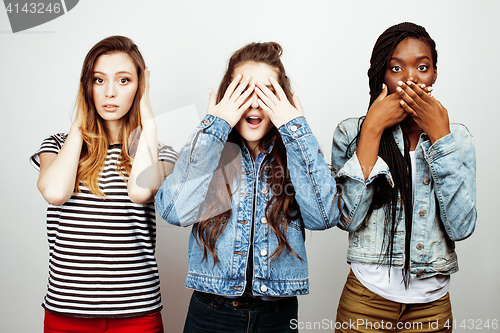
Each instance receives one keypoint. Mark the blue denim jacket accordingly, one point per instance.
(180, 201)
(444, 209)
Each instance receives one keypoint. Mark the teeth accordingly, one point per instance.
(253, 117)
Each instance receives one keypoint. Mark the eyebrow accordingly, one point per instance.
(418, 58)
(120, 72)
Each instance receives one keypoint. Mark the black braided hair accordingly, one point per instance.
(383, 48)
(385, 196)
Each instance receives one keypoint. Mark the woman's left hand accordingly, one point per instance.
(277, 106)
(427, 112)
(145, 105)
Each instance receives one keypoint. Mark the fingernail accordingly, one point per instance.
(383, 86)
(248, 78)
(422, 86)
(398, 89)
(402, 103)
(429, 89)
(400, 83)
(259, 83)
(408, 82)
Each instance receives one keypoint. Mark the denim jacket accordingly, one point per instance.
(444, 209)
(180, 201)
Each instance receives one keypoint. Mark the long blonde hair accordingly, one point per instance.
(95, 133)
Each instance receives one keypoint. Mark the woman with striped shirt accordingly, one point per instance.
(101, 230)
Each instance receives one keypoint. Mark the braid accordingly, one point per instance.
(385, 196)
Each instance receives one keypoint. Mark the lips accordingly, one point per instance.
(110, 107)
(253, 121)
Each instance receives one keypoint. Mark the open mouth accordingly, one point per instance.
(253, 120)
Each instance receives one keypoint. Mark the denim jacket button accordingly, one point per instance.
(420, 272)
(264, 191)
(263, 288)
(420, 246)
(206, 122)
(293, 128)
(263, 220)
(427, 181)
(263, 253)
(422, 212)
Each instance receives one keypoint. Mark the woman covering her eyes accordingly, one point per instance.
(409, 180)
(100, 220)
(249, 182)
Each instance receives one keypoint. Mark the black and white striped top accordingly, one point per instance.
(102, 251)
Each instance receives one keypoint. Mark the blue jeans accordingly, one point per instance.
(217, 314)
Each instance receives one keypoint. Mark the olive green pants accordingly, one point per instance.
(361, 310)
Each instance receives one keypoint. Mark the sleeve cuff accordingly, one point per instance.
(294, 129)
(352, 169)
(441, 147)
(216, 126)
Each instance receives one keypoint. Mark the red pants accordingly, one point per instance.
(54, 323)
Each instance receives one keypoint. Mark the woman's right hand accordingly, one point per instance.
(234, 103)
(385, 112)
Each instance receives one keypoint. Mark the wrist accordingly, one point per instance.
(75, 128)
(371, 133)
(231, 124)
(438, 135)
(149, 125)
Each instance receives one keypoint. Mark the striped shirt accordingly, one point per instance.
(102, 250)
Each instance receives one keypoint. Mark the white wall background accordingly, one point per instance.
(187, 44)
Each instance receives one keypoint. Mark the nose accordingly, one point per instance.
(412, 75)
(110, 90)
(254, 104)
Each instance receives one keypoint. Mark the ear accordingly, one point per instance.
(435, 75)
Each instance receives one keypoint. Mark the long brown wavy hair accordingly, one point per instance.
(94, 130)
(282, 208)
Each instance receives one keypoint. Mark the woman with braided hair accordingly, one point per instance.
(408, 179)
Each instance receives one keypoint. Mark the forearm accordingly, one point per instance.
(357, 189)
(315, 188)
(453, 170)
(180, 197)
(367, 151)
(57, 178)
(146, 176)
